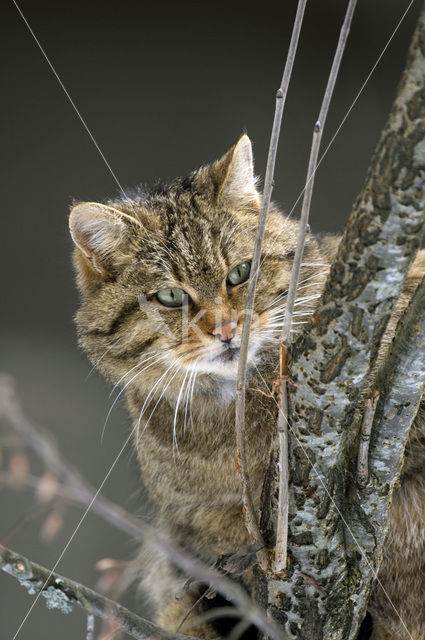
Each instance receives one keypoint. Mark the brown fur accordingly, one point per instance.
(190, 234)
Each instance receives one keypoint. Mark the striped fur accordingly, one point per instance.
(190, 234)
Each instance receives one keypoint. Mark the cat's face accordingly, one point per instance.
(164, 277)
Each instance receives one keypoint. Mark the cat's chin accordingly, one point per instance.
(227, 356)
(220, 368)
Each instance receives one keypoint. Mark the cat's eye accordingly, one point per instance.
(239, 274)
(172, 297)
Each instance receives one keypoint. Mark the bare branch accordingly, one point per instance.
(366, 430)
(401, 384)
(80, 492)
(282, 424)
(329, 528)
(62, 593)
(90, 627)
(281, 547)
(74, 486)
(248, 506)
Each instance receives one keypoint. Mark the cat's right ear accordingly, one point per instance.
(234, 175)
(102, 234)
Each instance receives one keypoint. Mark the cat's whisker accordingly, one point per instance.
(151, 364)
(281, 309)
(303, 284)
(303, 299)
(101, 358)
(279, 324)
(315, 264)
(148, 397)
(274, 330)
(275, 334)
(274, 243)
(146, 358)
(136, 375)
(280, 316)
(279, 319)
(177, 409)
(312, 284)
(188, 389)
(186, 400)
(140, 434)
(191, 398)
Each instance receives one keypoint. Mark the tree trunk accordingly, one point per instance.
(336, 530)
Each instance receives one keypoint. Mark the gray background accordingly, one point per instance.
(163, 87)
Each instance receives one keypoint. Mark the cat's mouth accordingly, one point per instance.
(223, 361)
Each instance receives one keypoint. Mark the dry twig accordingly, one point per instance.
(76, 489)
(90, 627)
(62, 593)
(366, 430)
(282, 425)
(248, 506)
(338, 532)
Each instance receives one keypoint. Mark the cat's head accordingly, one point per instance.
(164, 273)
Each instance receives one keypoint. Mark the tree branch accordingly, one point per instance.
(62, 593)
(365, 433)
(331, 363)
(401, 384)
(248, 506)
(285, 339)
(75, 488)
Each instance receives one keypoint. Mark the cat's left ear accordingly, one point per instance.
(237, 179)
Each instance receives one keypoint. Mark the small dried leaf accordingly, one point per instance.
(240, 561)
(210, 593)
(108, 580)
(52, 525)
(109, 563)
(19, 467)
(47, 487)
(113, 571)
(235, 563)
(185, 589)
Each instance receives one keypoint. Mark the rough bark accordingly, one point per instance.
(324, 592)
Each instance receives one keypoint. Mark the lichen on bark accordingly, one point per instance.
(327, 584)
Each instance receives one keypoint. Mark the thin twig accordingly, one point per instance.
(77, 489)
(281, 549)
(62, 593)
(248, 506)
(366, 430)
(74, 485)
(90, 627)
(282, 425)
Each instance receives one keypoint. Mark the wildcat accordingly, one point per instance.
(163, 278)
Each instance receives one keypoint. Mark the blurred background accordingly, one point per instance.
(163, 87)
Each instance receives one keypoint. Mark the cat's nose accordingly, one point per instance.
(225, 332)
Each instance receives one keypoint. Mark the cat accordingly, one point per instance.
(163, 277)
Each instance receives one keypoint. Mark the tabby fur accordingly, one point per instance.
(190, 234)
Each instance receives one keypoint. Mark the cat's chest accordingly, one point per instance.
(199, 458)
